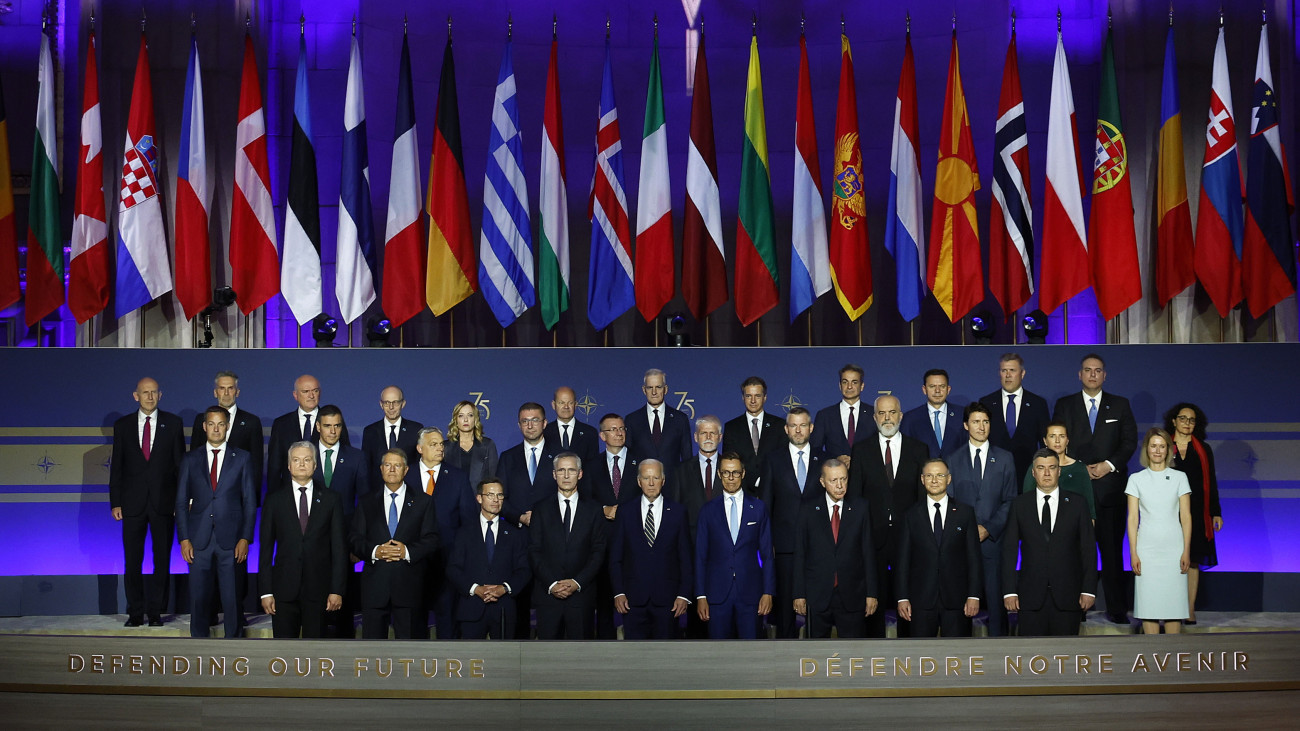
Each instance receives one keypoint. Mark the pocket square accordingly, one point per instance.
(752, 522)
(1111, 421)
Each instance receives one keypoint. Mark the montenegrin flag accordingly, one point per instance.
(254, 257)
(1064, 270)
(1220, 221)
(1175, 270)
(88, 285)
(756, 274)
(850, 249)
(810, 275)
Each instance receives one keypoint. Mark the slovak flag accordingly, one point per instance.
(1219, 218)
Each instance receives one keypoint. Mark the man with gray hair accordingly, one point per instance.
(656, 430)
(454, 504)
(567, 540)
(650, 561)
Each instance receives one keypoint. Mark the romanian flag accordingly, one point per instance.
(1175, 269)
(452, 271)
(850, 252)
(756, 275)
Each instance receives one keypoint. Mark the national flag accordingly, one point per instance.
(850, 249)
(610, 289)
(654, 206)
(193, 252)
(1011, 219)
(810, 275)
(300, 276)
(1220, 220)
(89, 268)
(704, 267)
(1112, 243)
(1268, 259)
(505, 252)
(553, 204)
(1175, 267)
(757, 279)
(354, 282)
(1065, 250)
(9, 288)
(956, 274)
(904, 232)
(254, 258)
(143, 272)
(453, 275)
(44, 235)
(404, 259)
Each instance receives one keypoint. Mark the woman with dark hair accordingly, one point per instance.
(1159, 537)
(467, 449)
(1074, 473)
(1193, 457)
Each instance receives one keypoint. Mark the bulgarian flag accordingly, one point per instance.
(756, 275)
(654, 266)
(44, 236)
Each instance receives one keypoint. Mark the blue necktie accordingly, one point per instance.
(735, 519)
(532, 465)
(392, 515)
(490, 542)
(1011, 415)
(1092, 415)
(801, 471)
(938, 430)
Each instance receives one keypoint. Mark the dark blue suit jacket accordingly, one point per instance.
(648, 574)
(583, 440)
(828, 437)
(991, 496)
(228, 513)
(1031, 425)
(453, 500)
(917, 425)
(739, 572)
(374, 441)
(468, 565)
(780, 492)
(351, 477)
(399, 583)
(522, 495)
(674, 440)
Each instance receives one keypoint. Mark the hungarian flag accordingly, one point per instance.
(850, 252)
(553, 251)
(404, 259)
(756, 275)
(193, 252)
(1112, 243)
(453, 273)
(300, 277)
(904, 232)
(1220, 221)
(44, 235)
(1268, 261)
(1175, 270)
(1011, 220)
(810, 275)
(9, 289)
(354, 283)
(254, 258)
(610, 289)
(704, 267)
(1065, 249)
(88, 275)
(654, 207)
(956, 274)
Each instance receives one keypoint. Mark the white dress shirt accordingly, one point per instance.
(153, 428)
(895, 449)
(483, 524)
(983, 447)
(844, 416)
(424, 475)
(942, 411)
(1019, 393)
(401, 503)
(332, 457)
(302, 415)
(794, 459)
(220, 456)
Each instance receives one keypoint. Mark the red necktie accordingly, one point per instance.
(145, 440)
(212, 475)
(835, 533)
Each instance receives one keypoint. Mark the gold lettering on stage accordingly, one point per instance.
(1240, 660)
(1012, 665)
(427, 671)
(137, 665)
(277, 666)
(240, 666)
(1140, 662)
(1184, 661)
(406, 665)
(954, 666)
(833, 666)
(855, 664)
(1082, 664)
(1105, 662)
(157, 664)
(807, 667)
(379, 667)
(1037, 664)
(453, 667)
(96, 663)
(476, 668)
(76, 663)
(977, 665)
(928, 666)
(878, 667)
(217, 666)
(327, 667)
(360, 665)
(180, 665)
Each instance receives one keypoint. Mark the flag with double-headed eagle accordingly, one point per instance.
(850, 253)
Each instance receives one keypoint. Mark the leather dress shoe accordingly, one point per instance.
(155, 622)
(1118, 618)
(133, 622)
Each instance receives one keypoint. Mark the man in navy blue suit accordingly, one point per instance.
(216, 509)
(984, 477)
(657, 430)
(755, 433)
(453, 503)
(1017, 416)
(935, 423)
(789, 482)
(341, 468)
(488, 569)
(608, 480)
(566, 433)
(842, 424)
(835, 579)
(650, 561)
(526, 467)
(734, 573)
(391, 432)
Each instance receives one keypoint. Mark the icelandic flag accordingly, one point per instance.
(610, 290)
(1219, 217)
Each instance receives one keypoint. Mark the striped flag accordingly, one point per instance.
(553, 208)
(1065, 250)
(44, 234)
(89, 268)
(1112, 243)
(193, 252)
(254, 258)
(904, 232)
(654, 206)
(452, 273)
(956, 274)
(1174, 251)
(1269, 257)
(143, 272)
(850, 249)
(610, 289)
(1219, 218)
(300, 276)
(505, 249)
(1011, 220)
(404, 259)
(354, 282)
(810, 271)
(704, 267)
(9, 288)
(757, 279)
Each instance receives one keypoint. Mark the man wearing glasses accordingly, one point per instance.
(391, 432)
(735, 575)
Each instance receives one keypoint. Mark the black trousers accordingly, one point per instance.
(937, 620)
(876, 623)
(783, 616)
(565, 619)
(405, 621)
(1050, 620)
(305, 617)
(1112, 521)
(497, 622)
(161, 528)
(849, 623)
(650, 622)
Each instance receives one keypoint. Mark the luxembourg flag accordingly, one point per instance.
(1219, 217)
(143, 272)
(904, 236)
(193, 254)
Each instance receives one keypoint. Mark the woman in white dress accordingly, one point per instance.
(1159, 537)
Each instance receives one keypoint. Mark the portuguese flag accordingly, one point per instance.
(756, 276)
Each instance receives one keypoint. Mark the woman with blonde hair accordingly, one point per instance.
(1159, 537)
(467, 449)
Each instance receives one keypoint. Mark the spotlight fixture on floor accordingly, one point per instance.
(982, 327)
(675, 325)
(323, 329)
(378, 329)
(1035, 327)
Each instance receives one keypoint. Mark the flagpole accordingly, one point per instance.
(1065, 321)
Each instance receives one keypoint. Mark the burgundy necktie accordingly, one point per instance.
(656, 429)
(616, 477)
(708, 478)
(302, 508)
(889, 465)
(212, 474)
(853, 427)
(835, 533)
(145, 440)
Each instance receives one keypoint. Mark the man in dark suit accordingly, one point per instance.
(935, 423)
(841, 425)
(394, 531)
(488, 568)
(754, 433)
(147, 447)
(1103, 435)
(939, 570)
(1049, 532)
(304, 551)
(607, 480)
(391, 432)
(298, 425)
(343, 469)
(983, 477)
(216, 509)
(650, 561)
(1017, 417)
(526, 467)
(694, 483)
(657, 430)
(566, 546)
(734, 573)
(566, 433)
(454, 504)
(886, 470)
(835, 580)
(790, 482)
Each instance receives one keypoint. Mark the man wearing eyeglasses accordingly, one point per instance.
(391, 432)
(567, 541)
(735, 576)
(526, 467)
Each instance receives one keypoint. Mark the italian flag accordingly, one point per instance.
(654, 209)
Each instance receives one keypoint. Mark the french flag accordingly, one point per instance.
(1219, 219)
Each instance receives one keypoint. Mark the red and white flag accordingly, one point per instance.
(1065, 250)
(254, 258)
(88, 279)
